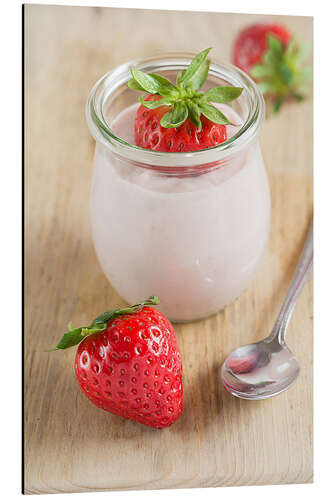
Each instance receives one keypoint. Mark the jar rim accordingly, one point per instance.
(115, 78)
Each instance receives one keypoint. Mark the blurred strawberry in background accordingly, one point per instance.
(275, 59)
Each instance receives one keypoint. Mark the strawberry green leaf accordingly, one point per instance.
(262, 71)
(194, 114)
(285, 73)
(277, 104)
(149, 83)
(71, 338)
(108, 315)
(281, 72)
(291, 48)
(74, 337)
(223, 94)
(199, 78)
(266, 87)
(176, 116)
(155, 104)
(194, 66)
(269, 58)
(275, 45)
(274, 51)
(213, 113)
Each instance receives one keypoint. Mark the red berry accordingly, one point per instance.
(134, 369)
(150, 134)
(251, 43)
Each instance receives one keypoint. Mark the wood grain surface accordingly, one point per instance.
(70, 445)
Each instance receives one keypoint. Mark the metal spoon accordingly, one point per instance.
(268, 367)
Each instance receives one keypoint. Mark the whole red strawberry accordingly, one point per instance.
(180, 118)
(251, 43)
(274, 58)
(129, 364)
(150, 134)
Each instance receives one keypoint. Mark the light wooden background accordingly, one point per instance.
(70, 445)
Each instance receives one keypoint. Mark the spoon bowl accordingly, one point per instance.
(260, 370)
(266, 368)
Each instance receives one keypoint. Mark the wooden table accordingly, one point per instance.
(70, 445)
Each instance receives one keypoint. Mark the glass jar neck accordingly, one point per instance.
(111, 90)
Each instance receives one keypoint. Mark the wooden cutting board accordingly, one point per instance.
(70, 445)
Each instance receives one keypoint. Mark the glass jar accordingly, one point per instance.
(190, 228)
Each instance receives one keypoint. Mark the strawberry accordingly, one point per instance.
(179, 118)
(150, 134)
(251, 44)
(128, 363)
(273, 57)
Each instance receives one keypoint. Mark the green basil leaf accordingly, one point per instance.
(212, 113)
(132, 84)
(176, 116)
(149, 83)
(155, 104)
(194, 66)
(166, 84)
(194, 114)
(180, 76)
(199, 78)
(223, 94)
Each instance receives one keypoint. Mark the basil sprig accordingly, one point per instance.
(184, 99)
(75, 336)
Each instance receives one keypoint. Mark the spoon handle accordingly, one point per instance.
(302, 274)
